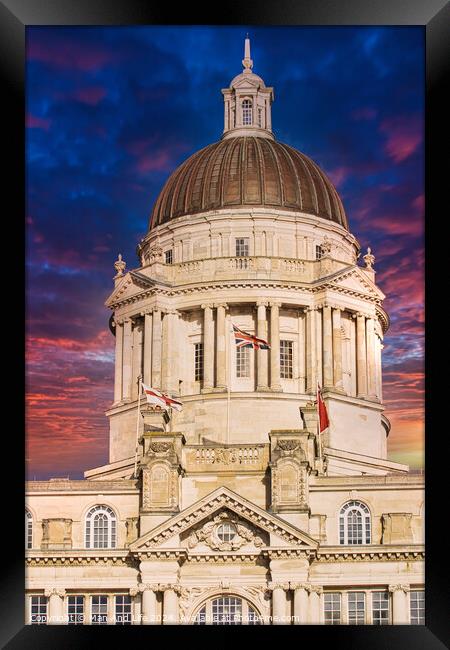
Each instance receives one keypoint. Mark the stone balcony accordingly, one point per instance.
(232, 268)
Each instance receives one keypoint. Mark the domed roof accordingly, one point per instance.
(248, 171)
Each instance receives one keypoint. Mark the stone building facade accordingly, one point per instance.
(234, 510)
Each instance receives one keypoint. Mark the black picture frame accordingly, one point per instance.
(434, 16)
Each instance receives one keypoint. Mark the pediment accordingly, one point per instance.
(132, 284)
(255, 525)
(355, 280)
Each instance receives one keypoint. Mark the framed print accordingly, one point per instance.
(225, 230)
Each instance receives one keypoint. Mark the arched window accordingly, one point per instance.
(227, 610)
(247, 112)
(100, 528)
(28, 529)
(354, 523)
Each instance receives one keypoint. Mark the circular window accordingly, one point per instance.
(226, 532)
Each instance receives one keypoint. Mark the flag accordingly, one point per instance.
(246, 340)
(155, 396)
(322, 411)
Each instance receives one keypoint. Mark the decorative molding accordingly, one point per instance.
(54, 591)
(394, 588)
(207, 533)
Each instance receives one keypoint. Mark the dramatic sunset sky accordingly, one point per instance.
(111, 112)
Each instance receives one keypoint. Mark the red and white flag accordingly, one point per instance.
(324, 422)
(155, 396)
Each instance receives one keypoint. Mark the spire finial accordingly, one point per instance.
(247, 61)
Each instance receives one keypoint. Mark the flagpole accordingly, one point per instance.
(228, 380)
(137, 424)
(318, 423)
(170, 419)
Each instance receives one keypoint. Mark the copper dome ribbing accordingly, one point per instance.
(248, 171)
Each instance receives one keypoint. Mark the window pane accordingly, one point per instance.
(380, 608)
(227, 610)
(38, 615)
(123, 610)
(169, 257)
(198, 361)
(332, 609)
(356, 608)
(99, 610)
(286, 358)
(75, 610)
(242, 247)
(242, 362)
(417, 607)
(247, 112)
(28, 530)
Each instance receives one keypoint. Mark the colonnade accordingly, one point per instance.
(150, 344)
(294, 603)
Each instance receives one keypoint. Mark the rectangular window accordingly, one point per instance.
(286, 357)
(242, 247)
(99, 610)
(123, 610)
(332, 609)
(169, 256)
(198, 361)
(356, 608)
(319, 252)
(417, 607)
(380, 608)
(260, 117)
(75, 610)
(38, 610)
(242, 362)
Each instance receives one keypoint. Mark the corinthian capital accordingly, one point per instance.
(146, 586)
(394, 588)
(278, 585)
(55, 591)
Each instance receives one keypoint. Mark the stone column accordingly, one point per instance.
(337, 349)
(118, 363)
(327, 342)
(301, 602)
(275, 346)
(279, 603)
(315, 602)
(169, 361)
(127, 360)
(371, 376)
(137, 358)
(148, 605)
(261, 355)
(170, 604)
(311, 353)
(56, 606)
(156, 348)
(221, 347)
(400, 610)
(361, 360)
(148, 325)
(301, 352)
(135, 606)
(208, 347)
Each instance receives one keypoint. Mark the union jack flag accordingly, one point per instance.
(246, 340)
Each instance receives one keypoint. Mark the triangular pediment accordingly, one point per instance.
(353, 280)
(132, 284)
(224, 500)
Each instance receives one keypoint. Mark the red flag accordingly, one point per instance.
(322, 411)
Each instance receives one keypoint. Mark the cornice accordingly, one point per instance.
(249, 284)
(371, 553)
(79, 558)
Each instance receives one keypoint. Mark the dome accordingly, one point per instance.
(248, 171)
